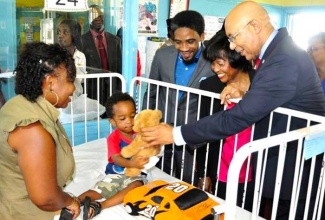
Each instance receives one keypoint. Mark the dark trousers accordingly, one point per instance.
(221, 193)
(166, 166)
(284, 208)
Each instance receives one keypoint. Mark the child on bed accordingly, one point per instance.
(120, 109)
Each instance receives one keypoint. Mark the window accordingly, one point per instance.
(302, 26)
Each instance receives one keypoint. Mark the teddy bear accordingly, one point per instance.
(145, 118)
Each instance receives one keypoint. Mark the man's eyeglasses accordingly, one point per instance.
(315, 49)
(232, 38)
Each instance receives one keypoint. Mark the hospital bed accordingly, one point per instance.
(91, 158)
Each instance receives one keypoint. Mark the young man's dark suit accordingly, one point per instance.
(286, 78)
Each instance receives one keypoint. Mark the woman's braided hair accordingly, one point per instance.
(35, 62)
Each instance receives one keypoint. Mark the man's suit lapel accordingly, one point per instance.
(91, 44)
(198, 72)
(171, 64)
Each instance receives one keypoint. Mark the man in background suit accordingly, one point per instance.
(286, 77)
(103, 54)
(181, 64)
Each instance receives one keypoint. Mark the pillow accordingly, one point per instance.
(79, 110)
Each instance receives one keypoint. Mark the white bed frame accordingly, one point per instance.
(260, 147)
(92, 126)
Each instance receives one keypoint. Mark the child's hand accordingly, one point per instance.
(139, 162)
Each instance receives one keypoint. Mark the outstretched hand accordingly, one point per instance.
(231, 91)
(157, 135)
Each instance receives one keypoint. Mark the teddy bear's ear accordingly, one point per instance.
(158, 114)
(136, 122)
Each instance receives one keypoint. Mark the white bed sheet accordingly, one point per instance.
(91, 160)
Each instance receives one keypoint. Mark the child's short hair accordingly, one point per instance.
(114, 99)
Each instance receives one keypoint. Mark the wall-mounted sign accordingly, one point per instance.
(66, 5)
(212, 25)
(177, 6)
(148, 17)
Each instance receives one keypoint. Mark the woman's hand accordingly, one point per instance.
(74, 207)
(207, 186)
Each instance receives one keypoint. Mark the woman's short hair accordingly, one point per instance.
(319, 37)
(188, 19)
(37, 60)
(218, 48)
(75, 30)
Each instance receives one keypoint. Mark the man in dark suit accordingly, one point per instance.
(181, 64)
(103, 54)
(286, 77)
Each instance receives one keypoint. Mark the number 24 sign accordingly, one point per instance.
(66, 5)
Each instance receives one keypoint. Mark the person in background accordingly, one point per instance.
(316, 49)
(169, 39)
(119, 33)
(69, 37)
(285, 77)
(2, 97)
(121, 111)
(229, 67)
(103, 54)
(36, 159)
(181, 64)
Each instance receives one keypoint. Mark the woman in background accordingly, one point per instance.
(36, 159)
(316, 50)
(69, 37)
(230, 68)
